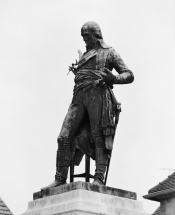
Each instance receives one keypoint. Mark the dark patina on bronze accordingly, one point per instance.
(90, 124)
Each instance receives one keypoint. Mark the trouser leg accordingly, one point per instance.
(95, 113)
(70, 125)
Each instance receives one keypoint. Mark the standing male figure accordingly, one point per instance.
(93, 102)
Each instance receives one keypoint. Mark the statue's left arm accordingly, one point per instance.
(125, 75)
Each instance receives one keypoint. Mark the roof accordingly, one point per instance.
(4, 210)
(163, 190)
(168, 183)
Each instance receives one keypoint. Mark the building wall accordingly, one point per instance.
(170, 206)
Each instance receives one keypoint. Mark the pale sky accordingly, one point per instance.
(38, 41)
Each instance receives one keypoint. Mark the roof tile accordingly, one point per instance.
(168, 183)
(4, 210)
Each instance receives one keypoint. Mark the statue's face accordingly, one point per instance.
(88, 39)
(87, 36)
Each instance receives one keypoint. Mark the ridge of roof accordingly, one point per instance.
(168, 183)
(4, 210)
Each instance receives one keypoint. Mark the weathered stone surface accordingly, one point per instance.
(84, 202)
(85, 186)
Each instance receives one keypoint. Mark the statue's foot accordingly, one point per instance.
(97, 182)
(54, 184)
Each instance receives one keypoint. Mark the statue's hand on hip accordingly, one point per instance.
(109, 78)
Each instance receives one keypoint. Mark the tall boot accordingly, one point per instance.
(60, 177)
(62, 163)
(101, 158)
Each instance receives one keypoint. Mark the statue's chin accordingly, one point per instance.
(90, 45)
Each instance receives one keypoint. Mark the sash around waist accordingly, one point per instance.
(89, 72)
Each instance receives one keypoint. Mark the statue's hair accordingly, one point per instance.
(94, 28)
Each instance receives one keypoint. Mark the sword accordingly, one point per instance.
(109, 159)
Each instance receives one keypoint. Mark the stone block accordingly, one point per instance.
(85, 186)
(84, 202)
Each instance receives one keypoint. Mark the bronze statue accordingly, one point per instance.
(90, 124)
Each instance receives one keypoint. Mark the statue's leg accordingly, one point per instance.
(94, 108)
(101, 164)
(70, 125)
(62, 163)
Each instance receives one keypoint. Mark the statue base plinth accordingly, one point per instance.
(82, 198)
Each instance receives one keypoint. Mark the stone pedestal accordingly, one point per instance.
(81, 198)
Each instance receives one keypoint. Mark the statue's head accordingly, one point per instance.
(91, 32)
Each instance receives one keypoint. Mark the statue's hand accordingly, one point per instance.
(73, 68)
(108, 77)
